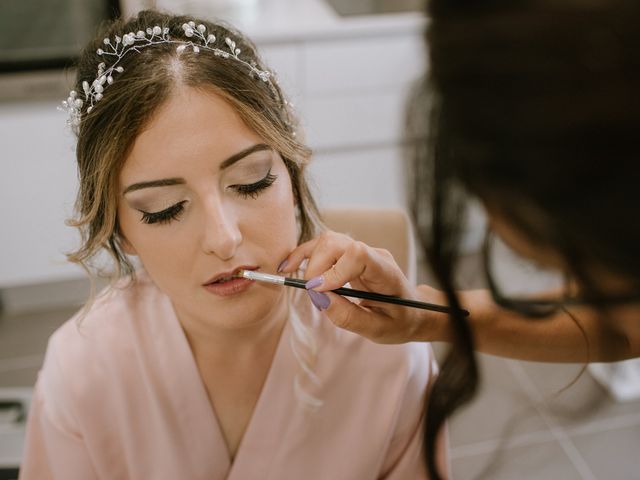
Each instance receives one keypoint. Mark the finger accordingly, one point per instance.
(321, 252)
(292, 262)
(348, 267)
(328, 250)
(365, 267)
(319, 299)
(355, 318)
(323, 247)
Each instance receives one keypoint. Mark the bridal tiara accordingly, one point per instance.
(118, 48)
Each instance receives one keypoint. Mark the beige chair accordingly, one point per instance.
(390, 229)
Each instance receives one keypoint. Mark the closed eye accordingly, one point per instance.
(254, 189)
(164, 216)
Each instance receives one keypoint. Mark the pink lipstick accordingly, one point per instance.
(228, 283)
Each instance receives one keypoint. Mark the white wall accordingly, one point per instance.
(37, 186)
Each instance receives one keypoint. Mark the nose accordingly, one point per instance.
(222, 234)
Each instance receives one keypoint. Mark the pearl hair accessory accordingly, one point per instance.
(134, 42)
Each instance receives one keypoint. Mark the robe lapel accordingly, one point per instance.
(198, 437)
(200, 445)
(272, 422)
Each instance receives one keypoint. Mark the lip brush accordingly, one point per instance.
(346, 292)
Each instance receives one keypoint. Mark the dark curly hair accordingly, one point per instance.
(532, 106)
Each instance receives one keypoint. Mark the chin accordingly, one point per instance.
(245, 310)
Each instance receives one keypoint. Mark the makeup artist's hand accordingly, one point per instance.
(335, 259)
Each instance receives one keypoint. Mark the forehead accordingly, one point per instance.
(192, 125)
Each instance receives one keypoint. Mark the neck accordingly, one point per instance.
(224, 345)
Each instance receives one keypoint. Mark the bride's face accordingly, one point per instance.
(202, 196)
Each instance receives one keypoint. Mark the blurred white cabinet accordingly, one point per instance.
(351, 95)
(37, 189)
(361, 64)
(359, 178)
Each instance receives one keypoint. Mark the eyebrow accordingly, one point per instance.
(166, 182)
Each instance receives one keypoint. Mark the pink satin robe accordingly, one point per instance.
(120, 397)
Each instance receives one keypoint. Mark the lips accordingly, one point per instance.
(227, 276)
(226, 284)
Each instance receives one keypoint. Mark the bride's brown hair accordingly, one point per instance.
(107, 133)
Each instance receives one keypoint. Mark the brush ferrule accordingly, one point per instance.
(262, 277)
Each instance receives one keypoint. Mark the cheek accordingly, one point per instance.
(276, 217)
(152, 248)
(286, 210)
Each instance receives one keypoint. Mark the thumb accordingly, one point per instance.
(351, 316)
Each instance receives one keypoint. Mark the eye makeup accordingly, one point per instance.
(254, 189)
(163, 216)
(251, 190)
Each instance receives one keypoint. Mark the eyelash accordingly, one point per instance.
(254, 189)
(251, 190)
(165, 216)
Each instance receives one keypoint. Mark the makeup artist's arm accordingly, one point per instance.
(557, 338)
(579, 334)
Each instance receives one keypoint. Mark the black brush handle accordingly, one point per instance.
(379, 297)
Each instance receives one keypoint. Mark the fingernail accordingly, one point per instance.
(283, 265)
(319, 299)
(314, 282)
